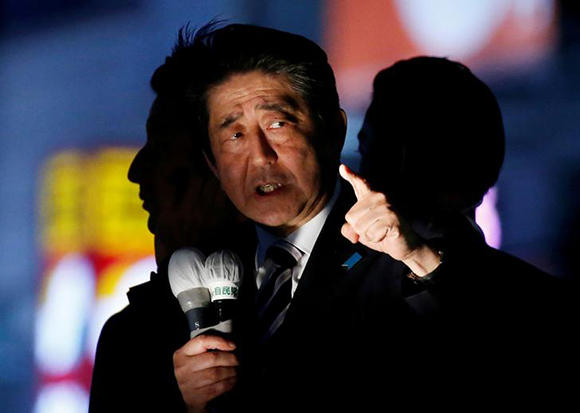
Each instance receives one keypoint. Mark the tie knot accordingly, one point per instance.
(284, 254)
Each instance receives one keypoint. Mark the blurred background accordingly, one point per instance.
(74, 97)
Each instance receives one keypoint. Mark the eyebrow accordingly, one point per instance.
(286, 107)
(230, 119)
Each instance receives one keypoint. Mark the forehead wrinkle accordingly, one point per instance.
(287, 107)
(277, 108)
(284, 104)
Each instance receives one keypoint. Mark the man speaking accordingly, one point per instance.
(324, 315)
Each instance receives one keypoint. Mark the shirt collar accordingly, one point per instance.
(303, 238)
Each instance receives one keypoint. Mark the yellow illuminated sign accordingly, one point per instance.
(95, 246)
(60, 203)
(88, 204)
(114, 218)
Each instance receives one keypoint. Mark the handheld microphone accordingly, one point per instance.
(224, 276)
(186, 277)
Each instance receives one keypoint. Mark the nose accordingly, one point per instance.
(262, 151)
(135, 174)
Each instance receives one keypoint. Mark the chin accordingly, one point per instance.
(274, 220)
(151, 224)
(272, 214)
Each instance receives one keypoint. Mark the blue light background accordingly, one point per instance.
(76, 75)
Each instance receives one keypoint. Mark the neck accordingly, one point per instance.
(318, 205)
(161, 251)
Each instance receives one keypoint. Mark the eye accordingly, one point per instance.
(236, 135)
(278, 125)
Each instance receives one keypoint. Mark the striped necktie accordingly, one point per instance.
(274, 296)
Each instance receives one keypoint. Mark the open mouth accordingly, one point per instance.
(268, 188)
(146, 200)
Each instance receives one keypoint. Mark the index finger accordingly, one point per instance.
(203, 343)
(360, 185)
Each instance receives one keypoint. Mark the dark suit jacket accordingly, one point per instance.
(362, 337)
(367, 337)
(345, 326)
(134, 362)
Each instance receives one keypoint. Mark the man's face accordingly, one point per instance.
(261, 137)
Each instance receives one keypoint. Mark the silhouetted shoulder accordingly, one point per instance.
(134, 360)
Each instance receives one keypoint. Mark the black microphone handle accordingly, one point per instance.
(225, 309)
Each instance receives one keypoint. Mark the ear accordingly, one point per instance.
(344, 119)
(211, 166)
(341, 125)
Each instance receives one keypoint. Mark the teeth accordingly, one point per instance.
(266, 188)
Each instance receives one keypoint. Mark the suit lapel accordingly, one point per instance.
(333, 261)
(338, 293)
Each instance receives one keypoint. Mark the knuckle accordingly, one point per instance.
(177, 357)
(378, 199)
(213, 391)
(213, 375)
(203, 378)
(348, 216)
(348, 232)
(179, 377)
(372, 236)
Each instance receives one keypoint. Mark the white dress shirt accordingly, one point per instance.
(302, 238)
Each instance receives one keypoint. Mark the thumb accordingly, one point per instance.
(360, 185)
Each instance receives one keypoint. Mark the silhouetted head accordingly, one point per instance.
(270, 116)
(433, 137)
(185, 203)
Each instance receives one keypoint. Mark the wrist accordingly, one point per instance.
(423, 261)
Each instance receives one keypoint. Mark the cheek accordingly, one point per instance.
(305, 168)
(226, 167)
(231, 178)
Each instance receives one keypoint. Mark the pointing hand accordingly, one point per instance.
(373, 222)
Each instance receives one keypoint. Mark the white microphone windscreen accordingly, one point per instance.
(186, 270)
(224, 274)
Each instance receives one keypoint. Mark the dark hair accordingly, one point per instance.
(433, 135)
(219, 52)
(172, 112)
